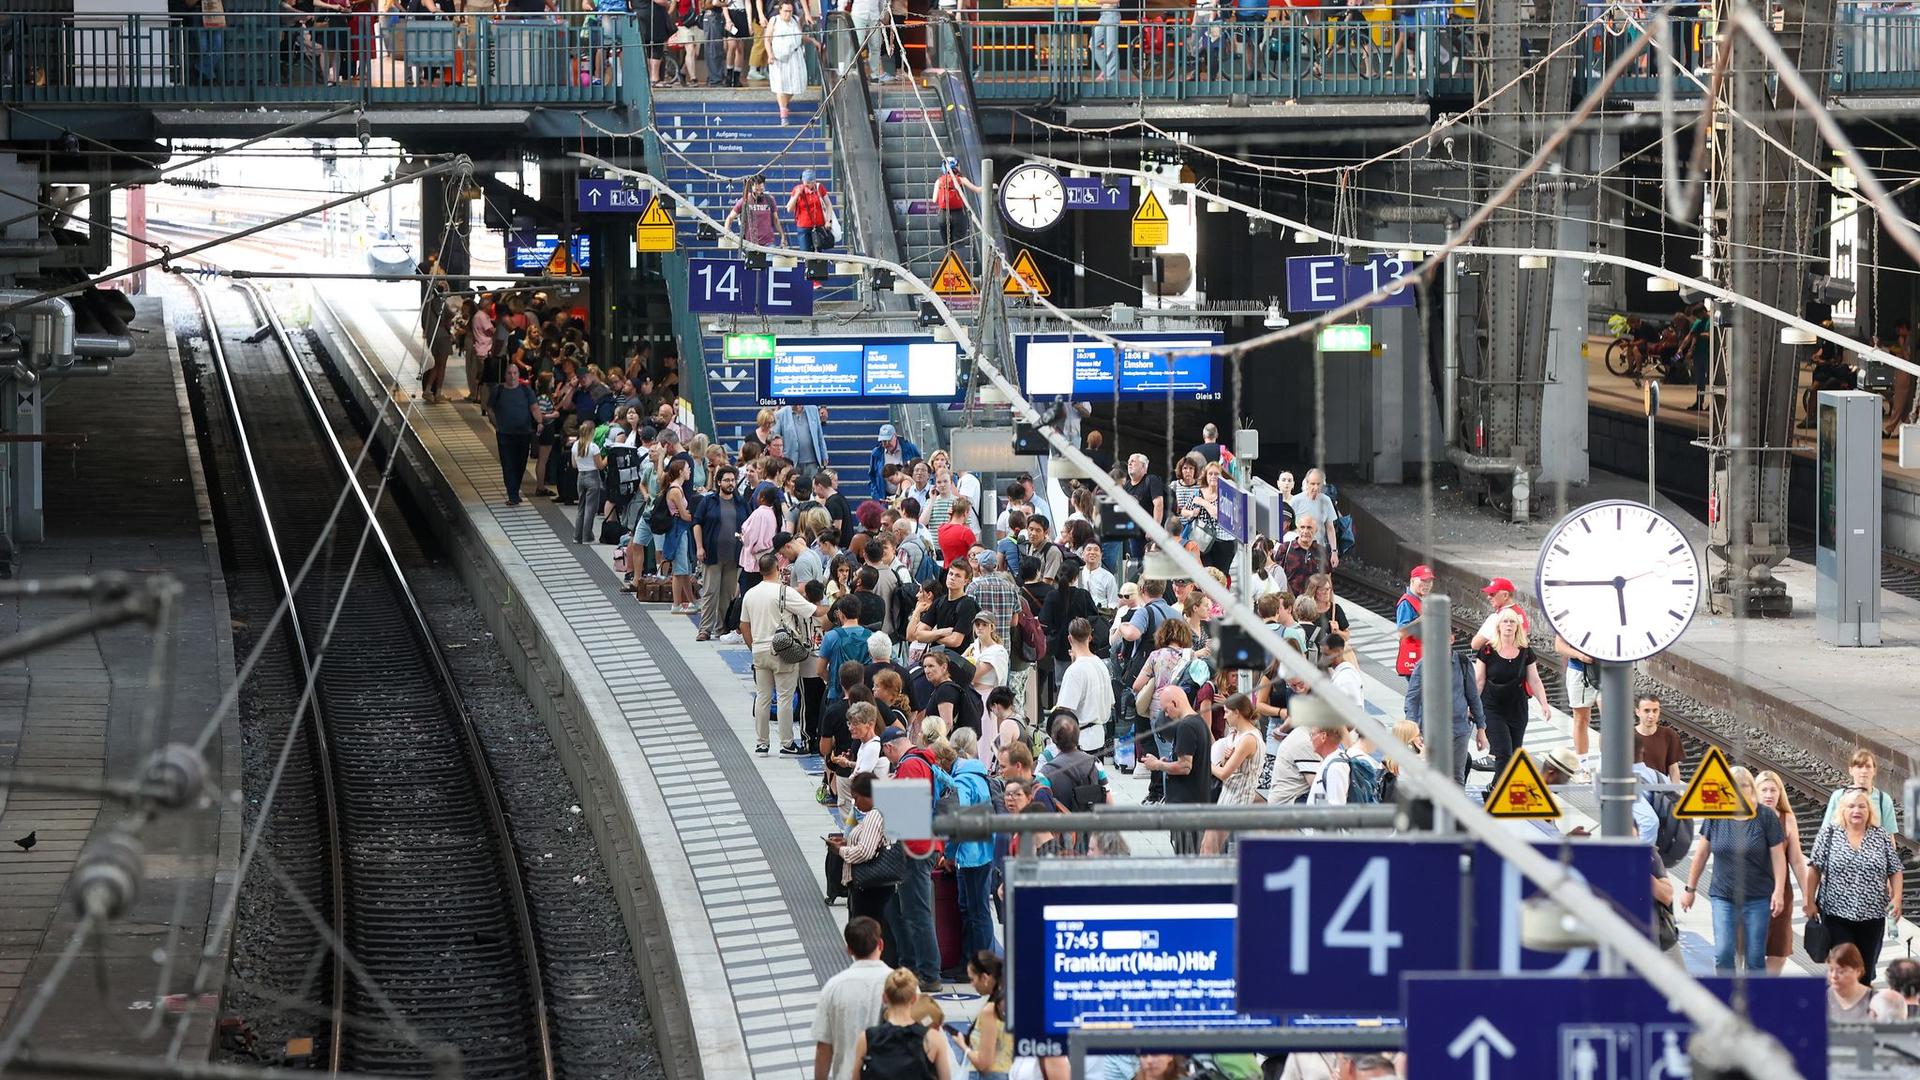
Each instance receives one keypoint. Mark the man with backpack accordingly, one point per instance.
(973, 862)
(1136, 637)
(910, 911)
(847, 640)
(1346, 776)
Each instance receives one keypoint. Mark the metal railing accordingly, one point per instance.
(274, 56)
(1404, 51)
(1288, 53)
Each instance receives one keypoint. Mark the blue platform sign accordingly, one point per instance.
(534, 254)
(1233, 510)
(1098, 193)
(1325, 282)
(1147, 954)
(870, 370)
(609, 197)
(1589, 1027)
(1341, 920)
(731, 287)
(1146, 369)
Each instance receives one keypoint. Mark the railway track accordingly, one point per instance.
(421, 884)
(1807, 790)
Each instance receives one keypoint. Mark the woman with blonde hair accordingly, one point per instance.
(1236, 764)
(1749, 861)
(1507, 674)
(1772, 792)
(989, 656)
(899, 1045)
(1855, 878)
(763, 428)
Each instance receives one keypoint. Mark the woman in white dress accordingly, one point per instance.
(787, 59)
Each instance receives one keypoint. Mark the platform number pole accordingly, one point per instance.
(1436, 692)
(1616, 749)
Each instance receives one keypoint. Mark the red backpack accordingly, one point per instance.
(1409, 645)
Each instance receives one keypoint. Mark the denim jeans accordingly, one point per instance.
(910, 917)
(1730, 920)
(586, 529)
(207, 47)
(1462, 754)
(1106, 43)
(514, 449)
(976, 909)
(871, 34)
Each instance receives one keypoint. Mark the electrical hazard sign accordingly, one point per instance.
(654, 232)
(1150, 223)
(1025, 275)
(1712, 793)
(1521, 792)
(952, 279)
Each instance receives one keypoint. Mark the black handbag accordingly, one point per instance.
(1817, 937)
(884, 870)
(610, 530)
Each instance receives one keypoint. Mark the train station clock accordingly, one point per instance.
(1618, 580)
(1033, 197)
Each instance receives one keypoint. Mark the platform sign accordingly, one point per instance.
(539, 254)
(1150, 223)
(1342, 920)
(1097, 193)
(1233, 510)
(1061, 365)
(1712, 792)
(1325, 282)
(731, 287)
(1154, 950)
(609, 197)
(867, 370)
(1521, 792)
(654, 231)
(1590, 1027)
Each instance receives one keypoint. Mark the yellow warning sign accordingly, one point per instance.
(1712, 793)
(952, 279)
(655, 230)
(1150, 223)
(1521, 792)
(1027, 271)
(560, 263)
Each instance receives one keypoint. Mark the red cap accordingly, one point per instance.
(1499, 584)
(1423, 572)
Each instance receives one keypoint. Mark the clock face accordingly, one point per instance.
(1618, 580)
(1033, 197)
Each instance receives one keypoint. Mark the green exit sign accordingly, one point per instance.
(748, 347)
(1346, 337)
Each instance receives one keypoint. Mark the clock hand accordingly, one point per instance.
(1609, 583)
(1620, 592)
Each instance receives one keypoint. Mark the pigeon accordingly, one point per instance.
(26, 842)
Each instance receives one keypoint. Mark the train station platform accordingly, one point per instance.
(726, 844)
(124, 493)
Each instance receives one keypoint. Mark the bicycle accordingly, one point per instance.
(1631, 358)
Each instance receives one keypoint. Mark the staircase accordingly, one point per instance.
(712, 141)
(851, 430)
(910, 158)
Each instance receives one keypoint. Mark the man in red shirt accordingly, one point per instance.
(811, 208)
(910, 912)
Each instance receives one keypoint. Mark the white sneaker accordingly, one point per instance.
(731, 637)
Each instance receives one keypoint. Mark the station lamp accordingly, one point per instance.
(1302, 236)
(1793, 335)
(1533, 262)
(1658, 283)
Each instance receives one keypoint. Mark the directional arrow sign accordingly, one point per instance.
(680, 137)
(608, 197)
(732, 378)
(1481, 1039)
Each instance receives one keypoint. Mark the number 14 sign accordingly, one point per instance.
(1332, 924)
(731, 287)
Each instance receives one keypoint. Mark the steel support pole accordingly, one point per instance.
(1616, 749)
(1436, 692)
(1450, 352)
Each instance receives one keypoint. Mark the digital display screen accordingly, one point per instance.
(1059, 366)
(824, 370)
(1122, 956)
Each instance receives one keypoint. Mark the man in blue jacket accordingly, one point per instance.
(973, 863)
(891, 449)
(1469, 720)
(716, 541)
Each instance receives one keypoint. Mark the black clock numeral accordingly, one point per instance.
(1676, 549)
(1618, 647)
(1584, 638)
(1651, 640)
(1586, 525)
(1561, 550)
(1683, 581)
(1674, 615)
(1652, 523)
